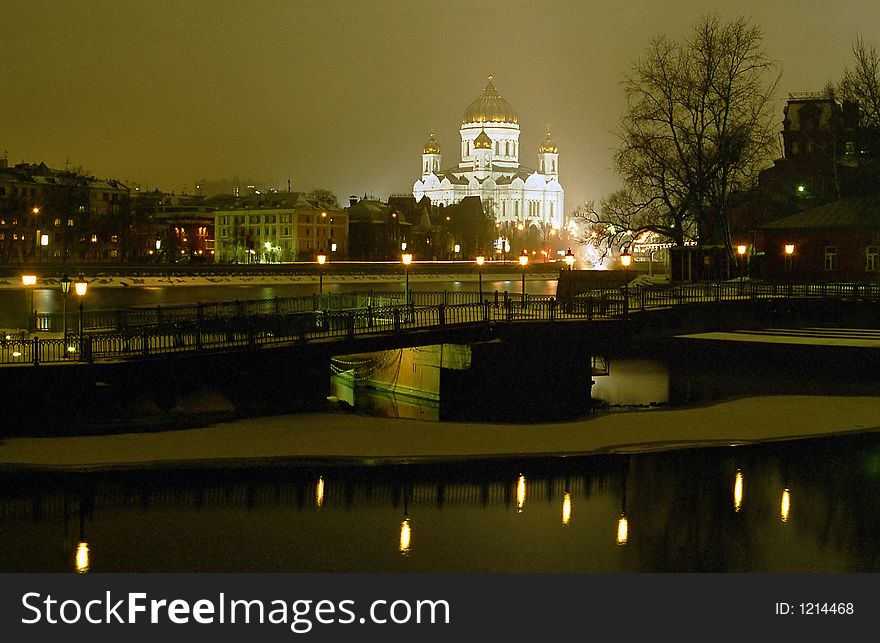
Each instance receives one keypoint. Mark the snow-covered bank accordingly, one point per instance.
(344, 436)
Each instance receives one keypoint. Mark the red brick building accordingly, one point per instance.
(839, 241)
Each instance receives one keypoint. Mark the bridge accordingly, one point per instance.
(378, 320)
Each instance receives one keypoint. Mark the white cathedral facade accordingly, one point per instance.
(490, 169)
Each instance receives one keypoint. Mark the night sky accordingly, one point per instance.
(342, 94)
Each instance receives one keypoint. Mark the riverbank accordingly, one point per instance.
(272, 276)
(343, 437)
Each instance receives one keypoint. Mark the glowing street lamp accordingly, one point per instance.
(80, 287)
(569, 259)
(321, 258)
(406, 259)
(625, 261)
(480, 259)
(524, 261)
(30, 281)
(741, 251)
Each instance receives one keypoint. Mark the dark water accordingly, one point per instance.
(535, 515)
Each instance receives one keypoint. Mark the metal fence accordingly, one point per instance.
(142, 333)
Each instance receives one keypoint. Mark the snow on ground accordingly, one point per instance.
(348, 436)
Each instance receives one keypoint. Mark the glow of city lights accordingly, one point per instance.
(622, 530)
(405, 536)
(406, 258)
(82, 558)
(738, 491)
(480, 259)
(520, 493)
(322, 258)
(785, 505)
(789, 248)
(319, 492)
(741, 250)
(566, 508)
(523, 259)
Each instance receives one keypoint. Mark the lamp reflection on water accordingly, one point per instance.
(520, 493)
(566, 508)
(738, 491)
(82, 558)
(319, 492)
(405, 536)
(622, 529)
(785, 505)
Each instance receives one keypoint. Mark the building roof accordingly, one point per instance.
(490, 107)
(856, 213)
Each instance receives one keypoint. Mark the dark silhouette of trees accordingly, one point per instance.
(697, 128)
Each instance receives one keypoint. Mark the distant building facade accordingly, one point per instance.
(278, 228)
(55, 216)
(490, 168)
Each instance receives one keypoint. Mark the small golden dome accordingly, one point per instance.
(548, 147)
(489, 107)
(483, 142)
(432, 146)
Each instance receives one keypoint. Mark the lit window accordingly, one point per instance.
(94, 238)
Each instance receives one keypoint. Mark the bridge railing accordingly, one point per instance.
(232, 325)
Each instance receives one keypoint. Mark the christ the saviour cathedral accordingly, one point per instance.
(490, 168)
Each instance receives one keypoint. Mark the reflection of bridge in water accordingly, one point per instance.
(332, 488)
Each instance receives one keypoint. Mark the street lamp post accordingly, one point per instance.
(81, 286)
(625, 261)
(524, 261)
(65, 289)
(741, 251)
(569, 259)
(480, 259)
(406, 258)
(30, 282)
(322, 259)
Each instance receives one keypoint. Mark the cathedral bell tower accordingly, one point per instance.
(431, 157)
(548, 157)
(482, 155)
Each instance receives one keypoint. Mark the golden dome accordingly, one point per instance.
(548, 146)
(490, 107)
(483, 142)
(432, 146)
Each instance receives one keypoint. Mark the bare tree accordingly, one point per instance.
(697, 128)
(861, 83)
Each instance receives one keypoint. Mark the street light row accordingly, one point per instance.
(80, 287)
